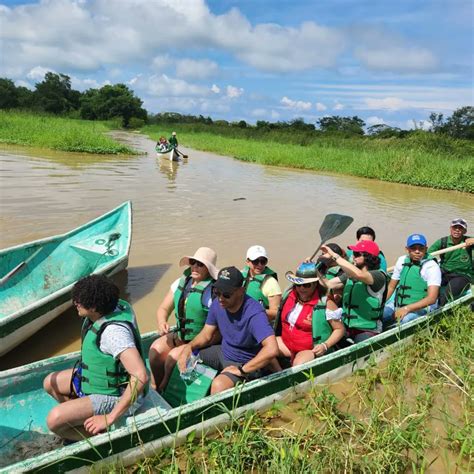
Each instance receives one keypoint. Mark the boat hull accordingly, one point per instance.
(24, 404)
(47, 279)
(171, 155)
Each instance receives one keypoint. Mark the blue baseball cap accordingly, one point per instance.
(416, 239)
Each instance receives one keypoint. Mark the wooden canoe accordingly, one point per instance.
(24, 406)
(171, 155)
(36, 278)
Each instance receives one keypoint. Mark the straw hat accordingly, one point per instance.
(305, 273)
(204, 255)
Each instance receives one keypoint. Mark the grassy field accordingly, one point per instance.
(412, 414)
(421, 160)
(58, 133)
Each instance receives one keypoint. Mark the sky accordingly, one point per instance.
(388, 62)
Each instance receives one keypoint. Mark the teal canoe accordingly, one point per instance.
(26, 445)
(170, 154)
(36, 278)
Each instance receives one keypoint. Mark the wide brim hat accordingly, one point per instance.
(204, 255)
(305, 273)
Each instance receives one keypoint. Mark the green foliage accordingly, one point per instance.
(346, 125)
(8, 94)
(57, 133)
(55, 95)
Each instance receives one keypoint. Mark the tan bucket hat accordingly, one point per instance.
(204, 255)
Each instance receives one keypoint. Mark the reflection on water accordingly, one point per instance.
(178, 207)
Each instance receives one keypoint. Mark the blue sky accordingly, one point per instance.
(387, 62)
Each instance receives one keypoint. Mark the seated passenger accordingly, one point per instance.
(330, 269)
(367, 233)
(309, 323)
(111, 377)
(248, 340)
(457, 267)
(415, 280)
(365, 289)
(261, 281)
(190, 296)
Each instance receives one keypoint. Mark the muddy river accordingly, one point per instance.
(208, 200)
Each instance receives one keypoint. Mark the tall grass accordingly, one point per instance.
(58, 133)
(412, 414)
(420, 159)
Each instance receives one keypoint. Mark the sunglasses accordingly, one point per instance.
(358, 254)
(195, 262)
(261, 261)
(224, 294)
(303, 285)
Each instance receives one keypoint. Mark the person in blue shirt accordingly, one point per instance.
(248, 340)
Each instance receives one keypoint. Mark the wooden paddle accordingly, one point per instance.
(438, 252)
(332, 226)
(21, 265)
(182, 154)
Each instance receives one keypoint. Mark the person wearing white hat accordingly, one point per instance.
(173, 141)
(261, 282)
(190, 296)
(457, 266)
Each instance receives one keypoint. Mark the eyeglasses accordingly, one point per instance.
(303, 285)
(224, 294)
(195, 262)
(261, 261)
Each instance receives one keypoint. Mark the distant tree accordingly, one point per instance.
(26, 97)
(381, 130)
(8, 94)
(262, 124)
(348, 125)
(241, 124)
(299, 124)
(112, 101)
(55, 95)
(221, 123)
(461, 123)
(437, 122)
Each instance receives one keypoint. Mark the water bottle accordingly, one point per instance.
(190, 365)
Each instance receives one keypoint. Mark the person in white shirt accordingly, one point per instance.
(415, 283)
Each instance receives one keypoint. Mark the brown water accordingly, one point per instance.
(178, 207)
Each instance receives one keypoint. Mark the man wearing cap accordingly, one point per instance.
(173, 141)
(415, 281)
(248, 341)
(260, 281)
(457, 267)
(365, 287)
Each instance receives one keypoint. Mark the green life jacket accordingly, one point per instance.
(101, 373)
(189, 308)
(332, 272)
(321, 329)
(253, 285)
(411, 287)
(469, 250)
(361, 309)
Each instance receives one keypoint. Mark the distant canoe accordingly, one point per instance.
(171, 155)
(36, 278)
(27, 445)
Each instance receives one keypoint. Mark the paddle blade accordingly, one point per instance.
(334, 225)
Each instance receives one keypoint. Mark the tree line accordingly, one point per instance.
(56, 96)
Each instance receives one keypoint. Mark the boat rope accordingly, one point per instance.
(108, 246)
(22, 432)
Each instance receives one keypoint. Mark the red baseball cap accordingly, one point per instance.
(368, 246)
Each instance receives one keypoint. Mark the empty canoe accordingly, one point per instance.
(36, 278)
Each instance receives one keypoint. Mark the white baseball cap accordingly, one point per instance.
(256, 251)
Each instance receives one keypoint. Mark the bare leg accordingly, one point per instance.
(170, 362)
(58, 385)
(67, 419)
(158, 352)
(274, 365)
(221, 383)
(302, 357)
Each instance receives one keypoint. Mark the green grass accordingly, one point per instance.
(58, 133)
(409, 415)
(422, 159)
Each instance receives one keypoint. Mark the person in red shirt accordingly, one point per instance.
(308, 323)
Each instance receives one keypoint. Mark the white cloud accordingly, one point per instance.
(338, 105)
(387, 103)
(37, 73)
(297, 105)
(258, 112)
(196, 69)
(420, 124)
(215, 88)
(320, 107)
(373, 120)
(234, 92)
(161, 62)
(275, 115)
(165, 86)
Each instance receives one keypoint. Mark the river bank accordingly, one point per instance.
(425, 160)
(412, 414)
(59, 133)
